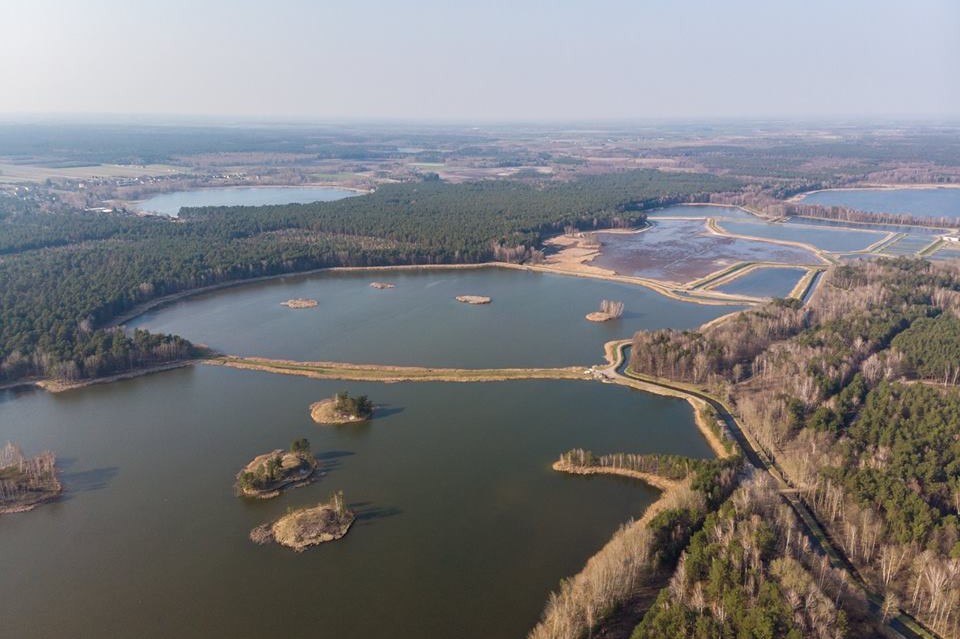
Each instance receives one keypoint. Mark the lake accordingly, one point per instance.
(682, 250)
(932, 202)
(535, 319)
(463, 527)
(171, 203)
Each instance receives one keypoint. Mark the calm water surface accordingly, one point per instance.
(463, 527)
(702, 211)
(171, 203)
(681, 251)
(921, 202)
(535, 319)
(834, 240)
(764, 282)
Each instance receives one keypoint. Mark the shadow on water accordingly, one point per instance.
(87, 480)
(331, 460)
(331, 455)
(367, 513)
(387, 410)
(16, 392)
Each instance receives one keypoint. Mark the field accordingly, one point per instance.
(11, 172)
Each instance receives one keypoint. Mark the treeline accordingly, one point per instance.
(855, 399)
(749, 572)
(675, 467)
(63, 277)
(846, 214)
(639, 556)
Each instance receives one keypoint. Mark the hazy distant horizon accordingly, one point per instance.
(497, 62)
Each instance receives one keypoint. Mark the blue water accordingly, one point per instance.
(171, 203)
(933, 202)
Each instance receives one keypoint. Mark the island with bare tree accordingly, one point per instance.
(25, 483)
(268, 474)
(609, 310)
(473, 299)
(300, 529)
(342, 409)
(381, 285)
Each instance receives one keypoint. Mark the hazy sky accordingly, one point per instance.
(489, 59)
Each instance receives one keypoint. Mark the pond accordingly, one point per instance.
(831, 240)
(764, 282)
(171, 203)
(682, 251)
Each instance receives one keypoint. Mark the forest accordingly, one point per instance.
(64, 276)
(855, 397)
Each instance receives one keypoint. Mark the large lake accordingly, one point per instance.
(171, 203)
(535, 319)
(464, 528)
(933, 202)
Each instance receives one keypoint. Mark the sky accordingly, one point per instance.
(491, 60)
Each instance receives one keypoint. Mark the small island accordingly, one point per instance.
(473, 299)
(266, 475)
(299, 302)
(381, 285)
(300, 529)
(342, 409)
(609, 310)
(26, 483)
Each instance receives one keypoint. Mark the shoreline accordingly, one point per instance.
(877, 187)
(136, 204)
(661, 483)
(654, 285)
(709, 434)
(56, 386)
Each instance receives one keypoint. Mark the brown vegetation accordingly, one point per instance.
(300, 302)
(609, 310)
(473, 299)
(266, 475)
(26, 483)
(830, 392)
(300, 529)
